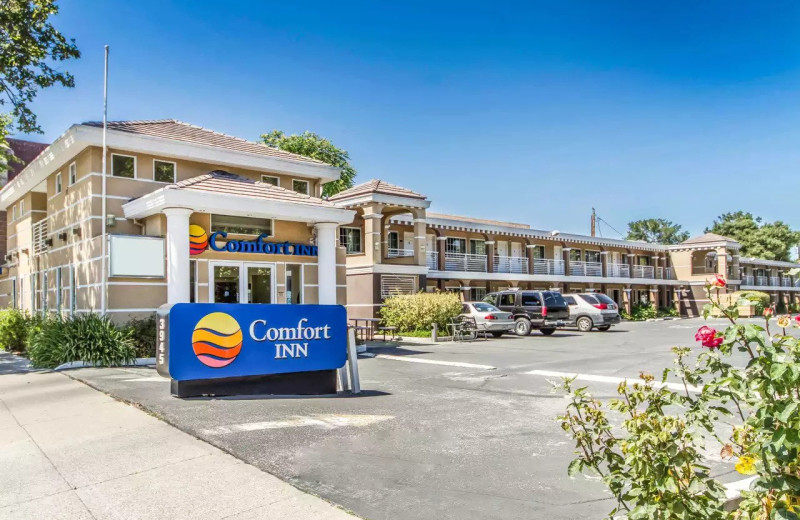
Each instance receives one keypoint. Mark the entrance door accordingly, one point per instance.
(241, 282)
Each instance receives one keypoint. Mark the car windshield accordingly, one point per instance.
(484, 307)
(553, 298)
(590, 298)
(605, 299)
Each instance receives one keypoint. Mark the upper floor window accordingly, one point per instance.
(241, 225)
(455, 245)
(538, 252)
(163, 171)
(123, 166)
(14, 212)
(350, 239)
(592, 256)
(394, 240)
(575, 255)
(477, 247)
(73, 173)
(300, 186)
(21, 208)
(269, 179)
(58, 183)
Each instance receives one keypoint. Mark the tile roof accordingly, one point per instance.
(226, 183)
(377, 186)
(25, 151)
(180, 131)
(706, 238)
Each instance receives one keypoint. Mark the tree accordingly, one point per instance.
(29, 47)
(656, 230)
(311, 145)
(767, 240)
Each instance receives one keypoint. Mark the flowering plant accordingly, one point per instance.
(747, 378)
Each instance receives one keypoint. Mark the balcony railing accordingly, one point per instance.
(762, 281)
(748, 279)
(578, 268)
(786, 281)
(464, 262)
(511, 264)
(774, 281)
(39, 232)
(643, 271)
(619, 270)
(399, 253)
(548, 267)
(432, 260)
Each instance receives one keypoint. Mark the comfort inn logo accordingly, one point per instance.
(198, 239)
(217, 340)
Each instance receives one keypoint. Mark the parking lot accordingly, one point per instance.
(462, 431)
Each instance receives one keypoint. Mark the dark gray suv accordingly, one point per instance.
(542, 310)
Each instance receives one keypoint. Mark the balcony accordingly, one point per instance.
(644, 271)
(786, 282)
(432, 260)
(511, 264)
(464, 262)
(619, 270)
(399, 253)
(548, 267)
(39, 232)
(748, 279)
(577, 268)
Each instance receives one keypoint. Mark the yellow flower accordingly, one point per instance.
(784, 321)
(746, 465)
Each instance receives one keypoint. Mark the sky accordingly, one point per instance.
(529, 112)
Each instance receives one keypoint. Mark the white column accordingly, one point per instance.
(326, 262)
(178, 289)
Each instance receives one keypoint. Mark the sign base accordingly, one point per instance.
(318, 382)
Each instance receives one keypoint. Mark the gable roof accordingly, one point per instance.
(377, 186)
(708, 238)
(180, 131)
(226, 183)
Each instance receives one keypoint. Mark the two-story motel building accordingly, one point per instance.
(188, 214)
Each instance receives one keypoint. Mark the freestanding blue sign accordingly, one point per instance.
(207, 341)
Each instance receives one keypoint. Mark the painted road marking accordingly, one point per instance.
(327, 421)
(429, 361)
(610, 379)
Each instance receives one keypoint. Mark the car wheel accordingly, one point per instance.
(497, 334)
(604, 327)
(584, 324)
(522, 327)
(547, 332)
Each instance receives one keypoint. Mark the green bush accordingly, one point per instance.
(794, 307)
(87, 337)
(14, 325)
(143, 334)
(640, 312)
(665, 312)
(413, 312)
(759, 299)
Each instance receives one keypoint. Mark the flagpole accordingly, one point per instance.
(104, 238)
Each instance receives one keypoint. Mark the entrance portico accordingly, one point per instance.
(184, 204)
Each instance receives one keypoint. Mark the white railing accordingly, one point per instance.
(797, 282)
(464, 262)
(762, 281)
(786, 281)
(748, 279)
(432, 260)
(399, 253)
(578, 268)
(511, 264)
(774, 281)
(668, 273)
(619, 270)
(39, 231)
(643, 271)
(546, 266)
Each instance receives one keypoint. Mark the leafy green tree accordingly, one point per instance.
(768, 240)
(30, 47)
(656, 230)
(312, 145)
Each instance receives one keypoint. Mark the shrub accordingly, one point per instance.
(14, 329)
(640, 312)
(665, 312)
(759, 299)
(143, 334)
(794, 307)
(421, 310)
(87, 337)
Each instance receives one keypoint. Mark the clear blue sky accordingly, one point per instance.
(530, 111)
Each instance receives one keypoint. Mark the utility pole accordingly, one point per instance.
(594, 222)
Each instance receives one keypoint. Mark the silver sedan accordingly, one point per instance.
(489, 318)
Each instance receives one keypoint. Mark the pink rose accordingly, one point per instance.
(768, 312)
(708, 337)
(718, 281)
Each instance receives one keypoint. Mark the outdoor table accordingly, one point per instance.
(369, 326)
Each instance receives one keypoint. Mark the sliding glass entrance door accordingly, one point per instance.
(241, 282)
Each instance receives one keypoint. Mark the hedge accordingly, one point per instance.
(414, 312)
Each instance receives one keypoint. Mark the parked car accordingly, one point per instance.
(542, 310)
(489, 318)
(592, 310)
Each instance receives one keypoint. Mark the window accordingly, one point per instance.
(269, 179)
(593, 256)
(507, 299)
(14, 212)
(477, 247)
(350, 239)
(531, 299)
(300, 186)
(590, 299)
(73, 174)
(123, 166)
(394, 240)
(397, 284)
(538, 252)
(73, 297)
(491, 299)
(21, 208)
(575, 255)
(484, 307)
(241, 225)
(59, 290)
(455, 245)
(294, 289)
(477, 294)
(163, 171)
(58, 183)
(554, 299)
(570, 300)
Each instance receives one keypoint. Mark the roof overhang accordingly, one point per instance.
(770, 263)
(78, 137)
(237, 205)
(381, 198)
(727, 244)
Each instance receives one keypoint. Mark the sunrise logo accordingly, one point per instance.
(198, 239)
(217, 340)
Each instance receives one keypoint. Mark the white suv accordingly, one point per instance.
(591, 310)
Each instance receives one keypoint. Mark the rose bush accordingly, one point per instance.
(653, 462)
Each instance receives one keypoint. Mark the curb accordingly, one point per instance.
(138, 362)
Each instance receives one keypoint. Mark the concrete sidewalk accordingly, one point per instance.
(68, 451)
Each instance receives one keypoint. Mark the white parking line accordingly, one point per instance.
(429, 361)
(610, 379)
(327, 421)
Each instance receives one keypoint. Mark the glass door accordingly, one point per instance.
(259, 283)
(225, 282)
(240, 282)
